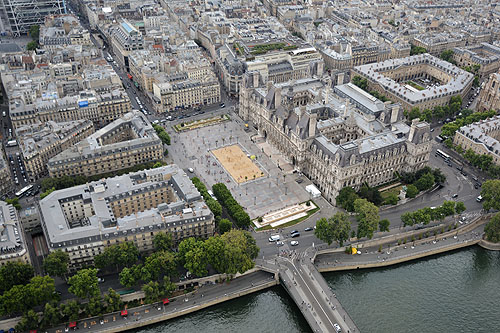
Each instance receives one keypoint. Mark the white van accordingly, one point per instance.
(274, 238)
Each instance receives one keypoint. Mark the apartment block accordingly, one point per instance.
(12, 241)
(124, 143)
(85, 219)
(41, 141)
(391, 78)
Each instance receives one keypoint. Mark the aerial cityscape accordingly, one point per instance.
(249, 166)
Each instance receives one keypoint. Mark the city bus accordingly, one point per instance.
(11, 143)
(442, 154)
(23, 191)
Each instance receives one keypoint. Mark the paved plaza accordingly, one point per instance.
(271, 192)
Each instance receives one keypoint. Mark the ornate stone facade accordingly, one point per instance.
(338, 139)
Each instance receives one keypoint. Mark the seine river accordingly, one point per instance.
(455, 292)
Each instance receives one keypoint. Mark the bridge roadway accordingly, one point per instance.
(311, 293)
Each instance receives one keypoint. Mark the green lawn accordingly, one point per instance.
(414, 85)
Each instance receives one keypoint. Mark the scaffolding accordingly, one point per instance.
(20, 15)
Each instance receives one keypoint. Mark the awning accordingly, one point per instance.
(72, 324)
(165, 301)
(124, 312)
(32, 331)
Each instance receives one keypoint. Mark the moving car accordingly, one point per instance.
(337, 328)
(294, 243)
(454, 195)
(274, 238)
(190, 170)
(308, 229)
(295, 234)
(280, 243)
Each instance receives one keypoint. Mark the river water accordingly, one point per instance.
(454, 292)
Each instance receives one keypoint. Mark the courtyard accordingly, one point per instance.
(220, 154)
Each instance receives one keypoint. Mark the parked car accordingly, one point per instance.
(454, 195)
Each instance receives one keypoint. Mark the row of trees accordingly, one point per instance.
(230, 253)
(338, 227)
(439, 112)
(212, 204)
(481, 161)
(67, 181)
(35, 35)
(420, 180)
(233, 208)
(449, 129)
(162, 134)
(428, 214)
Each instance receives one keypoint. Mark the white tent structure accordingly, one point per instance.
(313, 190)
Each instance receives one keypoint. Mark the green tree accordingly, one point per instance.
(239, 252)
(407, 219)
(196, 260)
(215, 249)
(225, 225)
(163, 241)
(491, 194)
(492, 229)
(417, 50)
(51, 315)
(71, 310)
(447, 55)
(113, 301)
(151, 291)
(448, 208)
(127, 277)
(31, 46)
(411, 191)
(14, 202)
(367, 217)
(346, 198)
(324, 231)
(160, 263)
(392, 199)
(184, 247)
(214, 206)
(94, 306)
(84, 284)
(460, 207)
(29, 321)
(56, 263)
(15, 300)
(384, 225)
(14, 273)
(34, 32)
(166, 288)
(425, 182)
(371, 194)
(336, 228)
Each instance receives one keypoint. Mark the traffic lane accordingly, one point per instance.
(371, 254)
(315, 303)
(205, 293)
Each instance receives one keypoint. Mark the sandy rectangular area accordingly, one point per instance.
(236, 162)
